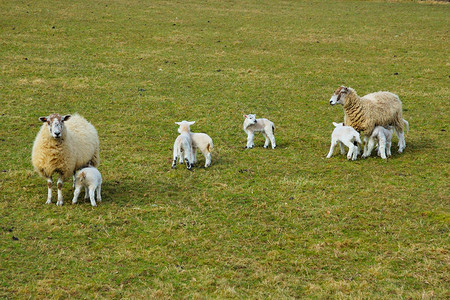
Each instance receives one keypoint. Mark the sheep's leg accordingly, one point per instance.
(49, 190)
(91, 196)
(99, 193)
(370, 146)
(194, 154)
(250, 137)
(341, 145)
(401, 140)
(208, 159)
(351, 150)
(60, 195)
(272, 140)
(388, 147)
(382, 147)
(266, 142)
(75, 194)
(333, 144)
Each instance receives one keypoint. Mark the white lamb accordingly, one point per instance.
(266, 127)
(183, 143)
(345, 135)
(382, 136)
(91, 179)
(203, 142)
(63, 145)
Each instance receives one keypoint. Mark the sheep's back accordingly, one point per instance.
(381, 109)
(83, 141)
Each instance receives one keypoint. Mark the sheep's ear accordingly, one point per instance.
(43, 119)
(344, 89)
(65, 118)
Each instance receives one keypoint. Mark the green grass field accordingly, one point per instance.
(259, 223)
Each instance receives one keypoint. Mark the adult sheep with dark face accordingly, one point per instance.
(63, 145)
(367, 112)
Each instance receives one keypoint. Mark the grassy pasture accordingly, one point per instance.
(283, 223)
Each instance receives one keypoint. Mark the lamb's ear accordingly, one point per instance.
(335, 124)
(191, 123)
(43, 119)
(65, 118)
(245, 116)
(178, 123)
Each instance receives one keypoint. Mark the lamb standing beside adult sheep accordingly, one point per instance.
(63, 145)
(375, 109)
(382, 136)
(266, 127)
(183, 145)
(91, 179)
(345, 135)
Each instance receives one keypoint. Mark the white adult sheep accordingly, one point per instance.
(345, 135)
(266, 127)
(91, 179)
(183, 143)
(375, 109)
(63, 145)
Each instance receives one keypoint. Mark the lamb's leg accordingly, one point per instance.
(60, 195)
(368, 150)
(341, 145)
(99, 193)
(86, 193)
(351, 150)
(250, 137)
(388, 147)
(49, 190)
(75, 194)
(175, 157)
(91, 196)
(208, 159)
(333, 144)
(382, 147)
(266, 143)
(194, 154)
(272, 140)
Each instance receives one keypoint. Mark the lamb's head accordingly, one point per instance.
(184, 126)
(55, 124)
(250, 119)
(339, 95)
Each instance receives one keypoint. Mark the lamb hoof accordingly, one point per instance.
(49, 201)
(59, 203)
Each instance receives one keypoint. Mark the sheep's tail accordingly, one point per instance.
(406, 125)
(209, 147)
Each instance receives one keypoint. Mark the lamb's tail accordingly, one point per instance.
(209, 147)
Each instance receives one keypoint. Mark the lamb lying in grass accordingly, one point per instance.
(183, 145)
(266, 127)
(91, 179)
(345, 135)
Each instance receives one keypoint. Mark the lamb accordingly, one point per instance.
(203, 142)
(266, 127)
(345, 135)
(367, 112)
(63, 145)
(91, 179)
(382, 136)
(183, 143)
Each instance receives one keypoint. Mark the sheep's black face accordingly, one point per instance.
(338, 96)
(55, 124)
